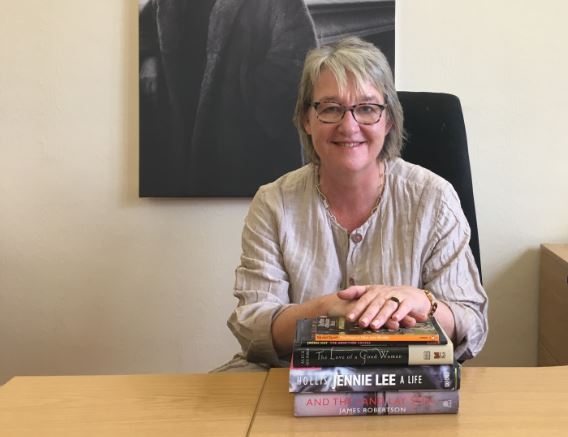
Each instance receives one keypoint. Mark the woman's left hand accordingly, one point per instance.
(384, 305)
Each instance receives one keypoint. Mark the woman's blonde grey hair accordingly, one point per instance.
(350, 57)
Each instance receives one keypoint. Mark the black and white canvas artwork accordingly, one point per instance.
(218, 83)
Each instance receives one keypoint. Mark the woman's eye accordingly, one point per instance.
(331, 109)
(366, 109)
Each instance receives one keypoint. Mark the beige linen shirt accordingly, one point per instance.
(293, 251)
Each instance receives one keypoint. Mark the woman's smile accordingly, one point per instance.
(348, 144)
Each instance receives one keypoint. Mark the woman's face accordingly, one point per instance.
(346, 146)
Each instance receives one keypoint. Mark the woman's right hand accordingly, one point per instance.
(346, 303)
(334, 306)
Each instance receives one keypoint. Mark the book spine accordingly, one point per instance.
(411, 355)
(346, 338)
(376, 403)
(370, 379)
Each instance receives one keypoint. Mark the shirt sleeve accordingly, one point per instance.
(451, 273)
(261, 282)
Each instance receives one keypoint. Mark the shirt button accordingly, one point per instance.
(356, 238)
(351, 281)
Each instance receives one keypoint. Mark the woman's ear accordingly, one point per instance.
(307, 124)
(388, 125)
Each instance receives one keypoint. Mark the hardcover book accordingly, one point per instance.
(376, 403)
(325, 331)
(371, 379)
(381, 354)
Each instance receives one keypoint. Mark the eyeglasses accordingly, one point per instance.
(363, 113)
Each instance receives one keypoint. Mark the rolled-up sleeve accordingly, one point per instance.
(261, 282)
(451, 274)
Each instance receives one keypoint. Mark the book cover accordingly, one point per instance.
(379, 354)
(376, 403)
(370, 379)
(373, 355)
(325, 331)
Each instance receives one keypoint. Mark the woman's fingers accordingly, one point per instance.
(408, 322)
(376, 311)
(403, 309)
(366, 306)
(375, 306)
(353, 292)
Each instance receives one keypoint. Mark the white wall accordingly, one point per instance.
(92, 278)
(506, 61)
(95, 280)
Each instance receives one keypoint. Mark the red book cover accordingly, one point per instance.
(376, 403)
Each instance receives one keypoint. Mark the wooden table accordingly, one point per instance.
(494, 401)
(138, 405)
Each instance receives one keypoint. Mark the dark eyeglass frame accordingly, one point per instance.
(351, 109)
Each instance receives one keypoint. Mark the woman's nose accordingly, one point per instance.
(348, 122)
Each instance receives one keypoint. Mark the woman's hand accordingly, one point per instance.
(375, 306)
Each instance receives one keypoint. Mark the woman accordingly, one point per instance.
(389, 235)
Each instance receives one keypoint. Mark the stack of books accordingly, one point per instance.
(341, 369)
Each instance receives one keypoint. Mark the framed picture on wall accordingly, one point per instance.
(218, 82)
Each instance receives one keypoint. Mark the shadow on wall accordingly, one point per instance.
(513, 313)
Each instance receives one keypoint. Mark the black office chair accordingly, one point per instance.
(436, 139)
